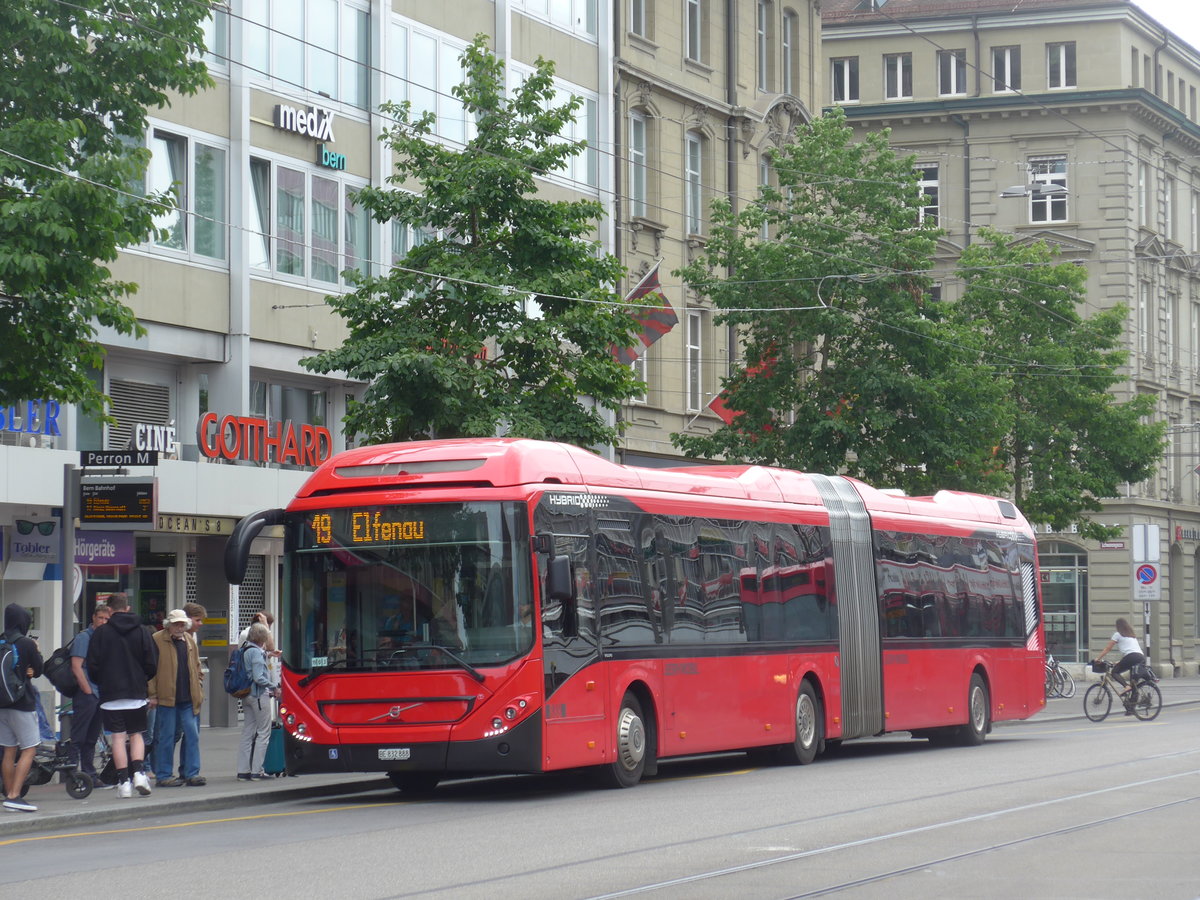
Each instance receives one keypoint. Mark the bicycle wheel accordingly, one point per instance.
(1148, 703)
(1097, 701)
(1049, 682)
(1068, 683)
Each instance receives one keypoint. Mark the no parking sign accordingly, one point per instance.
(1146, 583)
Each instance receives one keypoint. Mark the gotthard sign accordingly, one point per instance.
(262, 440)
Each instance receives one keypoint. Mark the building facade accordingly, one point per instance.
(1097, 98)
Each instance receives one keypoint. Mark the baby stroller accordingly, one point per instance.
(48, 759)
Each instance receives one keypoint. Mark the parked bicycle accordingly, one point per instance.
(1059, 682)
(1143, 699)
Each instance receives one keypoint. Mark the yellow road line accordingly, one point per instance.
(277, 815)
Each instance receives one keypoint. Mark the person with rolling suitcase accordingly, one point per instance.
(257, 707)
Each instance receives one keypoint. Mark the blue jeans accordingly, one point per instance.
(167, 721)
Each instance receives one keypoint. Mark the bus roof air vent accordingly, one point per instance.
(393, 469)
(1007, 509)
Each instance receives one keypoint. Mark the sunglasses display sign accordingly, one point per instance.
(34, 541)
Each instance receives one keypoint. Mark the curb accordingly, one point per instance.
(28, 824)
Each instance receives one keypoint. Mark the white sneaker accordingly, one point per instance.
(19, 805)
(124, 789)
(141, 783)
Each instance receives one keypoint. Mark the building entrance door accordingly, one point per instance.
(153, 595)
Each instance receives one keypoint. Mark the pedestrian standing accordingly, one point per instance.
(85, 705)
(18, 723)
(122, 658)
(176, 694)
(256, 726)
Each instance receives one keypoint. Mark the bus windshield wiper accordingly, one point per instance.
(466, 666)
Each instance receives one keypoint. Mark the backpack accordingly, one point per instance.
(237, 676)
(57, 668)
(12, 678)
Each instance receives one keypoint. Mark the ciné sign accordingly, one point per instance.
(261, 440)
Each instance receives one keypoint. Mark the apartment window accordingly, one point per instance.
(194, 172)
(693, 184)
(1170, 303)
(406, 238)
(952, 72)
(1169, 208)
(304, 224)
(790, 47)
(1194, 340)
(1195, 220)
(1060, 65)
(764, 182)
(318, 45)
(638, 20)
(583, 166)
(845, 80)
(927, 175)
(695, 322)
(576, 16)
(216, 38)
(641, 371)
(1050, 170)
(1006, 69)
(637, 164)
(423, 67)
(897, 76)
(1171, 88)
(1144, 318)
(693, 35)
(1145, 196)
(764, 40)
(1134, 70)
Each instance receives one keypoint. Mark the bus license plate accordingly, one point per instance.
(394, 753)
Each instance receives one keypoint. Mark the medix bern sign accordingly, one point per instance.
(316, 123)
(261, 440)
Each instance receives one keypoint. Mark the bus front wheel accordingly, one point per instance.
(631, 747)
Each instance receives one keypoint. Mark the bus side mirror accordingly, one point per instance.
(237, 548)
(559, 583)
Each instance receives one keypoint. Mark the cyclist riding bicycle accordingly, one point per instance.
(1131, 652)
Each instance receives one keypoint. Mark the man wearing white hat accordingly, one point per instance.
(176, 692)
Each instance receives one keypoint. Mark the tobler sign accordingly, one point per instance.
(261, 440)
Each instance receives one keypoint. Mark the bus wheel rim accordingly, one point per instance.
(631, 740)
(978, 710)
(806, 721)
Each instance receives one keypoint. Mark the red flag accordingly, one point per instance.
(717, 404)
(656, 316)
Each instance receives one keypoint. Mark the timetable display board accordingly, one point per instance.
(118, 502)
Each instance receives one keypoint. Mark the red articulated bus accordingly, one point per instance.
(514, 606)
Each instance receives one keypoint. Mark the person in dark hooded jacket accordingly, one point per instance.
(18, 723)
(121, 659)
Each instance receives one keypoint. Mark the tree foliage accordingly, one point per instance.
(502, 319)
(850, 367)
(1066, 440)
(76, 81)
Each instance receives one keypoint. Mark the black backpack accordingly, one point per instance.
(58, 669)
(12, 678)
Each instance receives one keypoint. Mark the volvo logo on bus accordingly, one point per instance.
(393, 713)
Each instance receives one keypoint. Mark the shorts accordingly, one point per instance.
(123, 721)
(19, 728)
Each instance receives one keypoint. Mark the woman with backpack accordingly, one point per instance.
(257, 709)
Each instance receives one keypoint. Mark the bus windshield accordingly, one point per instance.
(387, 587)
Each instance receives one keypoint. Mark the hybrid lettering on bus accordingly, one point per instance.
(515, 606)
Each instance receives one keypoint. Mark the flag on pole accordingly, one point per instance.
(717, 404)
(654, 313)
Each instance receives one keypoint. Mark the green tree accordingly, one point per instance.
(850, 367)
(502, 318)
(1065, 438)
(76, 80)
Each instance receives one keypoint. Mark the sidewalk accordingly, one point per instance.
(218, 755)
(218, 752)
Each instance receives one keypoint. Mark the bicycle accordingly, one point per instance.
(1144, 699)
(1059, 682)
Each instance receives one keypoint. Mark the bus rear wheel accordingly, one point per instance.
(415, 784)
(979, 715)
(631, 747)
(810, 729)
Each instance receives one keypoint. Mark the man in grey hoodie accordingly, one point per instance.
(18, 723)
